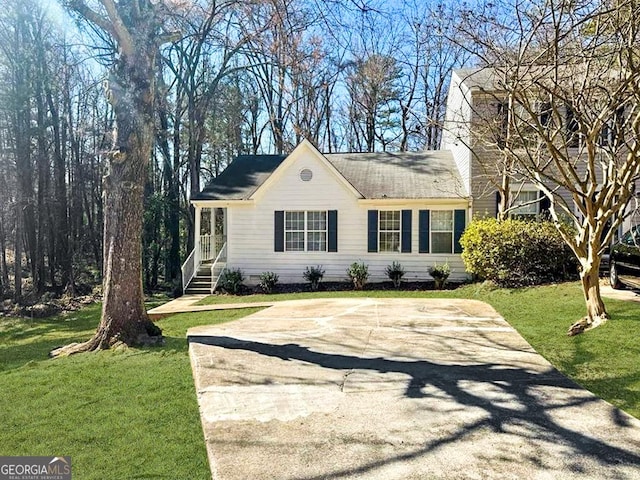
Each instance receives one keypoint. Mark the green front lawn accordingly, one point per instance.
(133, 413)
(128, 414)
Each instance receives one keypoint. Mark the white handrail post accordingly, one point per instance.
(196, 236)
(222, 256)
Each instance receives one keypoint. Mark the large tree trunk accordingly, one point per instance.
(131, 92)
(596, 311)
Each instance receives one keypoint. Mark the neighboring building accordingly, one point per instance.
(474, 122)
(474, 127)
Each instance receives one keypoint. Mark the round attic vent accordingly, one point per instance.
(306, 175)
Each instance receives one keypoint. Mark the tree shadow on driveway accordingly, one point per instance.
(529, 412)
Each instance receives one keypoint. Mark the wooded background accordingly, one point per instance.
(241, 77)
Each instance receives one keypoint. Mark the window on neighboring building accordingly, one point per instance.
(545, 114)
(389, 231)
(572, 128)
(441, 231)
(502, 126)
(526, 203)
(612, 133)
(305, 231)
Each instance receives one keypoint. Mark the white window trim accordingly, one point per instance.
(452, 231)
(305, 231)
(380, 231)
(514, 210)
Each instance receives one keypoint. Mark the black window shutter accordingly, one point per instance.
(372, 229)
(278, 229)
(423, 231)
(406, 232)
(545, 204)
(332, 233)
(459, 224)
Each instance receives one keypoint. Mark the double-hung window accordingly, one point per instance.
(526, 203)
(316, 231)
(442, 231)
(389, 230)
(294, 231)
(305, 231)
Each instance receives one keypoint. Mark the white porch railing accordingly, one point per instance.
(218, 266)
(189, 269)
(207, 247)
(210, 246)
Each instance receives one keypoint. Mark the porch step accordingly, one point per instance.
(196, 288)
(205, 269)
(198, 291)
(201, 283)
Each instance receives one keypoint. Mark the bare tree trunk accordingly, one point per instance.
(131, 92)
(596, 311)
(504, 192)
(17, 262)
(4, 275)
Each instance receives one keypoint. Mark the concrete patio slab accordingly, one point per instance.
(397, 389)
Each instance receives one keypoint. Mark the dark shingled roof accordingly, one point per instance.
(241, 178)
(429, 174)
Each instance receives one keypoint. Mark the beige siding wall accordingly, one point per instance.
(250, 234)
(486, 159)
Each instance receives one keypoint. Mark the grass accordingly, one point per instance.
(128, 414)
(133, 414)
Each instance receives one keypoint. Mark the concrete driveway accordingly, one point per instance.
(396, 389)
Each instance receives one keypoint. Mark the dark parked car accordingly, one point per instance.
(624, 268)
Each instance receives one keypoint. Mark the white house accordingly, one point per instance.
(285, 213)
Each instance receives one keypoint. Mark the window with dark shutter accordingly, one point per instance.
(423, 231)
(333, 231)
(372, 231)
(406, 231)
(278, 229)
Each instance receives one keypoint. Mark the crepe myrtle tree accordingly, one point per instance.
(135, 28)
(569, 80)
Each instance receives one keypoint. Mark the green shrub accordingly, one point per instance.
(516, 252)
(358, 273)
(440, 273)
(313, 275)
(395, 272)
(268, 281)
(231, 280)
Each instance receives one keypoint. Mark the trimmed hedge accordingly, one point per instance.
(516, 252)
